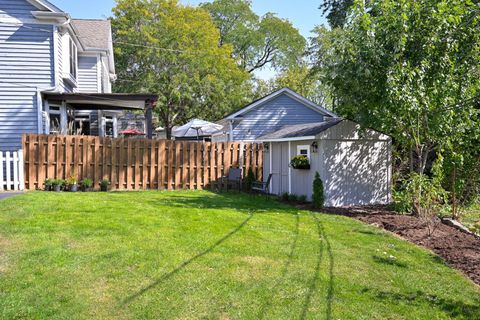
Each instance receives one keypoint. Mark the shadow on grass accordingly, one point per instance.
(449, 306)
(226, 200)
(389, 261)
(266, 306)
(322, 236)
(184, 264)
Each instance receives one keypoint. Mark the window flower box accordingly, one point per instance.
(300, 162)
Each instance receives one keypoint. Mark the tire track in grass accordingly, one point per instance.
(316, 273)
(266, 306)
(184, 264)
(322, 235)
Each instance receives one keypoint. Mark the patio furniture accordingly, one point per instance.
(262, 187)
(234, 177)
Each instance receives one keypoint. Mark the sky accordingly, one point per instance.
(303, 14)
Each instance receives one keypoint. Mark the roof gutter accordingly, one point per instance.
(58, 17)
(287, 139)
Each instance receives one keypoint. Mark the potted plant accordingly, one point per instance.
(57, 184)
(300, 162)
(86, 184)
(48, 184)
(72, 183)
(104, 185)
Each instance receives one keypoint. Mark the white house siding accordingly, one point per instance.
(88, 74)
(272, 116)
(26, 60)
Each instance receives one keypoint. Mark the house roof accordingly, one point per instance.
(275, 94)
(94, 33)
(45, 5)
(301, 131)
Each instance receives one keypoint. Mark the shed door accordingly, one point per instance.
(280, 163)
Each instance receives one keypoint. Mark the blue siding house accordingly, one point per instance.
(56, 75)
(268, 114)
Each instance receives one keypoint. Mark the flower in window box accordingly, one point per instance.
(300, 162)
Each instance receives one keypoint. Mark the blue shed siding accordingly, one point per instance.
(26, 59)
(272, 116)
(87, 74)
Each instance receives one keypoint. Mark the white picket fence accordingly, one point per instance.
(11, 171)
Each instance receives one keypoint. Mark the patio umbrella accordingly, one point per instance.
(132, 132)
(196, 128)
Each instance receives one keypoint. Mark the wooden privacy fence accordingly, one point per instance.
(134, 164)
(11, 171)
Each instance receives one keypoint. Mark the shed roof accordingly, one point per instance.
(93, 33)
(308, 130)
(289, 92)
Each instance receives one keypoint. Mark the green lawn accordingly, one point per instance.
(190, 255)
(471, 218)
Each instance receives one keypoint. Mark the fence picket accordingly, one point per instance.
(128, 164)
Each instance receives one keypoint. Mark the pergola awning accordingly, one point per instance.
(108, 101)
(100, 101)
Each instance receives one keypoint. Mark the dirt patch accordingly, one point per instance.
(458, 249)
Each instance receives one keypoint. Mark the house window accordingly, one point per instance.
(303, 150)
(54, 120)
(109, 126)
(73, 59)
(82, 125)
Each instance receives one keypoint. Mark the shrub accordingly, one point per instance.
(58, 184)
(284, 196)
(104, 185)
(300, 162)
(318, 197)
(71, 180)
(302, 199)
(48, 184)
(86, 184)
(292, 198)
(249, 179)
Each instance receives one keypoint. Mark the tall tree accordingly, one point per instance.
(257, 41)
(406, 70)
(172, 50)
(336, 11)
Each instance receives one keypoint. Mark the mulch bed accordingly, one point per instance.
(458, 249)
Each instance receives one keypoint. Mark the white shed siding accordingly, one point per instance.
(355, 166)
(272, 116)
(87, 74)
(26, 59)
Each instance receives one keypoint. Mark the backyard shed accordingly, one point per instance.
(354, 163)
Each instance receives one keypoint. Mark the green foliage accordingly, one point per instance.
(172, 50)
(300, 162)
(86, 183)
(337, 11)
(249, 179)
(48, 184)
(292, 197)
(405, 68)
(58, 182)
(302, 199)
(71, 180)
(257, 41)
(299, 78)
(104, 185)
(318, 197)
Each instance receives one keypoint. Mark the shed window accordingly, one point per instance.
(303, 150)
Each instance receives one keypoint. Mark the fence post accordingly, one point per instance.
(21, 174)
